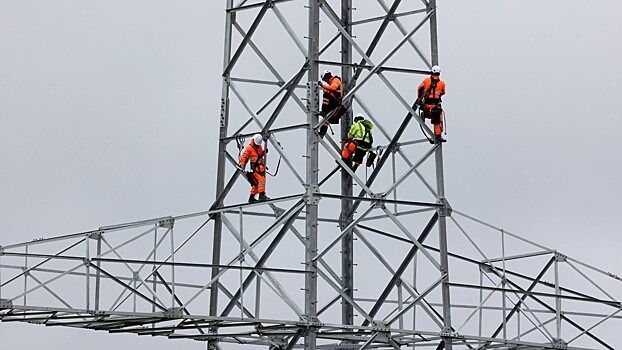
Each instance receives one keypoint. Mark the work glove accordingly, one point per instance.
(322, 83)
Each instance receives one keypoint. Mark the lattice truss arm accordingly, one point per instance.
(97, 280)
(154, 277)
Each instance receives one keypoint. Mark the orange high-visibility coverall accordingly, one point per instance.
(432, 100)
(255, 154)
(331, 99)
(333, 92)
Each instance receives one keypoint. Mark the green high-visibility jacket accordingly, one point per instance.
(361, 131)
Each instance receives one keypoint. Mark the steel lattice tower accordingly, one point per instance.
(358, 260)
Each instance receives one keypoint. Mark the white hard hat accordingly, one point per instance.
(436, 70)
(326, 74)
(258, 139)
(359, 116)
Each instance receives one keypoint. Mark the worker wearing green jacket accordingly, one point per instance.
(360, 140)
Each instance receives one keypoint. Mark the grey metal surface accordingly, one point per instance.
(347, 243)
(318, 267)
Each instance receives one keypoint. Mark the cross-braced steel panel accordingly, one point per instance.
(337, 258)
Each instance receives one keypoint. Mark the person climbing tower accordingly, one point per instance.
(257, 174)
(331, 100)
(429, 94)
(360, 140)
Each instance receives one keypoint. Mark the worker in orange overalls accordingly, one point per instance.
(331, 99)
(257, 174)
(429, 96)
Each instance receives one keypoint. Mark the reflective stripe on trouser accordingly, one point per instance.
(261, 183)
(438, 128)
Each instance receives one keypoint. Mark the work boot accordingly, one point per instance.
(355, 166)
(252, 199)
(263, 197)
(439, 139)
(323, 130)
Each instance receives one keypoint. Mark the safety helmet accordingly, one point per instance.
(258, 139)
(436, 70)
(326, 75)
(359, 116)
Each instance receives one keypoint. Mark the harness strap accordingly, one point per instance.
(432, 88)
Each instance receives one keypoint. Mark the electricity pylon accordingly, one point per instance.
(318, 266)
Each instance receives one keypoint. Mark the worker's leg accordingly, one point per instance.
(359, 154)
(328, 104)
(323, 114)
(438, 130)
(424, 114)
(261, 186)
(437, 120)
(254, 191)
(438, 127)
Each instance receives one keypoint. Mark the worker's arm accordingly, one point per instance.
(331, 87)
(243, 158)
(353, 131)
(420, 91)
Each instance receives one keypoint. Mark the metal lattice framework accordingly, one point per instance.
(319, 266)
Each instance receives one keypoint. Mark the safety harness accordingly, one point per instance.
(240, 140)
(437, 111)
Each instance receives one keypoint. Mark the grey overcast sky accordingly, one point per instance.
(109, 114)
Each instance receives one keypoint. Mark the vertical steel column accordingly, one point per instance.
(312, 199)
(433, 31)
(481, 300)
(98, 273)
(170, 230)
(154, 286)
(25, 274)
(220, 172)
(414, 286)
(440, 190)
(347, 253)
(558, 301)
(88, 271)
(503, 286)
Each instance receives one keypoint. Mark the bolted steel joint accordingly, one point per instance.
(559, 257)
(444, 209)
(95, 234)
(173, 312)
(384, 332)
(310, 196)
(86, 262)
(213, 345)
(167, 223)
(559, 344)
(446, 332)
(280, 342)
(1, 250)
(379, 201)
(6, 303)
